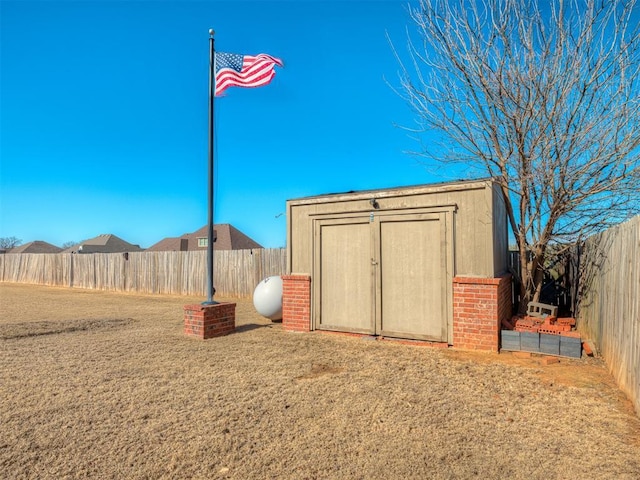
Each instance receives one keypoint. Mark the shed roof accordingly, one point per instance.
(395, 191)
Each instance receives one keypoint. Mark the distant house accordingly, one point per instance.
(105, 243)
(226, 236)
(37, 246)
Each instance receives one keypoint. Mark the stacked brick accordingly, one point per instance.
(549, 325)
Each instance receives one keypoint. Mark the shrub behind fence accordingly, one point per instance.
(236, 272)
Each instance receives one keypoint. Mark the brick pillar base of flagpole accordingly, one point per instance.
(209, 321)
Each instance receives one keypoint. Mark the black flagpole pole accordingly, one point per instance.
(210, 236)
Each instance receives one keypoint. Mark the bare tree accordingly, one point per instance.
(542, 96)
(9, 242)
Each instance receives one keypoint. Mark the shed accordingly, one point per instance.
(401, 262)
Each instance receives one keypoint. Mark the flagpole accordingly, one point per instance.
(210, 236)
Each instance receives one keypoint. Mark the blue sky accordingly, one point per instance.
(104, 115)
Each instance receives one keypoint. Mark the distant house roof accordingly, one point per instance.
(227, 238)
(105, 243)
(37, 246)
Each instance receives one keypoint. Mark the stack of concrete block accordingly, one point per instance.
(541, 331)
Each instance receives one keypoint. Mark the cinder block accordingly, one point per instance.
(529, 342)
(550, 344)
(510, 340)
(537, 309)
(571, 333)
(570, 347)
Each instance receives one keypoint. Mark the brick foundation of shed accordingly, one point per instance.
(296, 303)
(479, 306)
(209, 321)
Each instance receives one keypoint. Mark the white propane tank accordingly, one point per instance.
(267, 298)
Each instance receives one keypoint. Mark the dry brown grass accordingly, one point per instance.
(103, 385)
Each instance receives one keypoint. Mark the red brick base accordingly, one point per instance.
(479, 306)
(208, 321)
(296, 303)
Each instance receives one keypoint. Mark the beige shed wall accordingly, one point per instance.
(479, 221)
(500, 232)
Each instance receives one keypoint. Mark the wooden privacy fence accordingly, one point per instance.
(609, 301)
(236, 272)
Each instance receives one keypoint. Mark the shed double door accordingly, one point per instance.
(383, 275)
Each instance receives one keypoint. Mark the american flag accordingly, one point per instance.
(237, 70)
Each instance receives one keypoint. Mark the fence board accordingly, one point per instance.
(236, 272)
(609, 305)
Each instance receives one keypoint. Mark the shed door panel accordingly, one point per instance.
(346, 278)
(412, 278)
